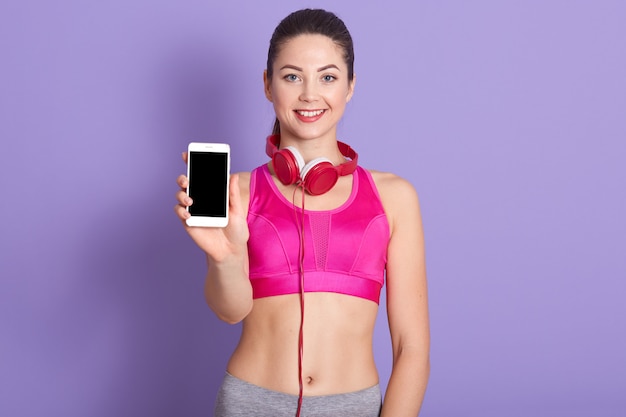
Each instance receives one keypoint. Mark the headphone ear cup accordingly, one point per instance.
(287, 164)
(319, 176)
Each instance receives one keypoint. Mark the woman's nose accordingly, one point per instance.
(309, 91)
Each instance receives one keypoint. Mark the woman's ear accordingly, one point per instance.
(351, 85)
(266, 85)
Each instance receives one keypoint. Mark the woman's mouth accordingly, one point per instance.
(309, 115)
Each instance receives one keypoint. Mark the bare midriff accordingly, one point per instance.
(338, 355)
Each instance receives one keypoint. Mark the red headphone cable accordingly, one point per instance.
(301, 269)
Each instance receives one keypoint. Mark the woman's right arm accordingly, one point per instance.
(227, 289)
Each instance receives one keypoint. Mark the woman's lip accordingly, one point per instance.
(309, 116)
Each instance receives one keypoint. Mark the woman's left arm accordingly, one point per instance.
(407, 299)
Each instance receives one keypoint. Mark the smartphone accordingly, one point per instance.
(208, 171)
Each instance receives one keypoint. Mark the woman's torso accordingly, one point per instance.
(337, 354)
(338, 328)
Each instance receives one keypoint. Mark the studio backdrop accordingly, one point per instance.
(508, 117)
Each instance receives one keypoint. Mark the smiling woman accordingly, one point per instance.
(316, 22)
(317, 90)
(359, 228)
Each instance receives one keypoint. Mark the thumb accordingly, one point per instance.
(235, 196)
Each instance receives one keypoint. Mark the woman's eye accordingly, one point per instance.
(291, 77)
(328, 78)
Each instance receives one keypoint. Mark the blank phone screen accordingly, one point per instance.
(208, 173)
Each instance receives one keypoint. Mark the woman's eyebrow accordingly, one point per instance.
(324, 68)
(293, 67)
(327, 67)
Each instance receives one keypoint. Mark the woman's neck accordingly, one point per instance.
(315, 148)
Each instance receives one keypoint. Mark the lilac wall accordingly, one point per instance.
(509, 117)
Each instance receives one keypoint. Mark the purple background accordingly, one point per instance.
(509, 117)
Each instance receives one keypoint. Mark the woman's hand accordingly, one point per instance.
(218, 243)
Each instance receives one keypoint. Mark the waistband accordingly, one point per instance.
(240, 398)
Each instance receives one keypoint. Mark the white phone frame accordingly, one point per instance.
(205, 221)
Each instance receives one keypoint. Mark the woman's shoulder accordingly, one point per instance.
(243, 182)
(390, 183)
(244, 176)
(397, 194)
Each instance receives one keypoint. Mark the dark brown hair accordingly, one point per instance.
(310, 22)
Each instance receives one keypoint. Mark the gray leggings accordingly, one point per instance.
(237, 398)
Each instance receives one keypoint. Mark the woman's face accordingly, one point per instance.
(309, 87)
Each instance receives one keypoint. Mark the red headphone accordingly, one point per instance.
(318, 176)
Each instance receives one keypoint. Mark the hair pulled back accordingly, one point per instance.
(310, 22)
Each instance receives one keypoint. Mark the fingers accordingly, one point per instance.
(185, 156)
(183, 199)
(181, 195)
(182, 182)
(181, 212)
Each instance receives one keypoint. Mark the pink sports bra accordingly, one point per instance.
(345, 248)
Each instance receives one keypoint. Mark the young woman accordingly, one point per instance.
(297, 241)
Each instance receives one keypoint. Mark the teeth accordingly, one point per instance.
(310, 113)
